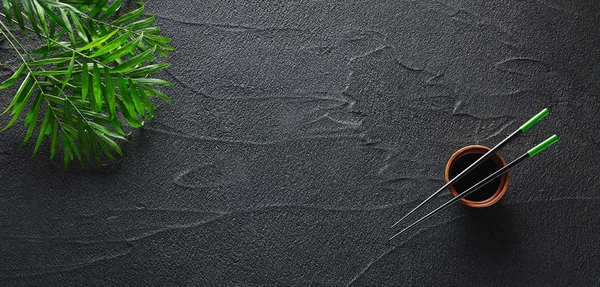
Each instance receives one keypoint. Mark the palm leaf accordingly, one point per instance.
(88, 79)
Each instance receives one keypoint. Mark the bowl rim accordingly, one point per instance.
(504, 179)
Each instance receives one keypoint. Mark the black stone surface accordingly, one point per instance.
(301, 130)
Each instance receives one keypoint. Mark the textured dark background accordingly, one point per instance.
(300, 130)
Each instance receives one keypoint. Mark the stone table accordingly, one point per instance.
(301, 130)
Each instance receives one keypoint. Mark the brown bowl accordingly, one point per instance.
(496, 158)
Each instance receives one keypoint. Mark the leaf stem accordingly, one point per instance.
(68, 48)
(2, 30)
(40, 87)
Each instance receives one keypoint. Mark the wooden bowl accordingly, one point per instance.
(496, 158)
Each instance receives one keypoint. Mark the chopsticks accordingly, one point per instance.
(532, 152)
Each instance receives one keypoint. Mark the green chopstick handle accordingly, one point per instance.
(542, 146)
(530, 123)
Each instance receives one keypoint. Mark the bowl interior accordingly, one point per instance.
(489, 193)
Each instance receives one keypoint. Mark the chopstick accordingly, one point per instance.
(526, 126)
(531, 153)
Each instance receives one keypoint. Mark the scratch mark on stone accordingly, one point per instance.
(559, 9)
(408, 67)
(199, 177)
(31, 272)
(456, 106)
(271, 95)
(474, 21)
(181, 134)
(232, 27)
(327, 116)
(368, 53)
(499, 130)
(522, 66)
(362, 271)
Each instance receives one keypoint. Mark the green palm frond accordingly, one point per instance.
(90, 78)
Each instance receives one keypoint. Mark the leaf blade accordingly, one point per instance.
(97, 89)
(10, 81)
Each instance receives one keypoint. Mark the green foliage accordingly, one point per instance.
(91, 77)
